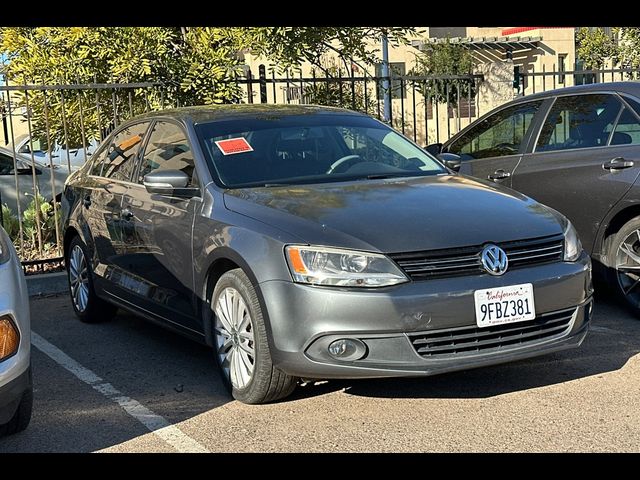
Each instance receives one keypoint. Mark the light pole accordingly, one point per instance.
(386, 91)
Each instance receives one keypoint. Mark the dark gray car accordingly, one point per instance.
(576, 149)
(308, 242)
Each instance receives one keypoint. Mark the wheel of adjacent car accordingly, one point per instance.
(88, 307)
(624, 263)
(240, 343)
(22, 417)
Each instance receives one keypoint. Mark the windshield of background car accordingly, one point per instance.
(297, 149)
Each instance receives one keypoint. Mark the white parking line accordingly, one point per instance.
(158, 425)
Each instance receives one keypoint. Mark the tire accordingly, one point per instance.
(623, 250)
(22, 417)
(240, 342)
(86, 304)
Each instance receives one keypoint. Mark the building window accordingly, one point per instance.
(398, 88)
(562, 67)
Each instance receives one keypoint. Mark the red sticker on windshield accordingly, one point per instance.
(234, 145)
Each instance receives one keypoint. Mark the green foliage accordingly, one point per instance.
(196, 65)
(595, 47)
(290, 46)
(10, 222)
(444, 59)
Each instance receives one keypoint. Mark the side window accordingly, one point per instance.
(98, 160)
(6, 164)
(499, 135)
(168, 149)
(627, 130)
(579, 121)
(121, 152)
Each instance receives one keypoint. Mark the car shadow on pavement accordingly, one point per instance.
(172, 376)
(613, 339)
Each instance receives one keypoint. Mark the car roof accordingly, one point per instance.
(630, 87)
(212, 113)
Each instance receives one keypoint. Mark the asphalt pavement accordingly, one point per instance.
(130, 386)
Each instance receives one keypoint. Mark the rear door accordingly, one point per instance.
(585, 158)
(493, 148)
(158, 232)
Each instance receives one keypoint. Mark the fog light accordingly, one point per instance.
(9, 338)
(347, 349)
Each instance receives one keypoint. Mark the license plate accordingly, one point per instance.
(510, 304)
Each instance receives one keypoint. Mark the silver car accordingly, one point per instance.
(25, 180)
(16, 395)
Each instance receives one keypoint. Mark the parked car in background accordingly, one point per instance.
(8, 192)
(63, 158)
(576, 149)
(16, 395)
(312, 242)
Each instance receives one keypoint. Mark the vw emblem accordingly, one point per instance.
(494, 260)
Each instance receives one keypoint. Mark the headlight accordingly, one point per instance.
(572, 245)
(5, 253)
(342, 268)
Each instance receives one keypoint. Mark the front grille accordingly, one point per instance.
(466, 260)
(469, 340)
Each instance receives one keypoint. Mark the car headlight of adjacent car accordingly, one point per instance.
(5, 253)
(341, 268)
(572, 245)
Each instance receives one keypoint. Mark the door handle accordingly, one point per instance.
(499, 174)
(86, 201)
(126, 214)
(618, 163)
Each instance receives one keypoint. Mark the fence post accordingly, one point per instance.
(262, 73)
(249, 86)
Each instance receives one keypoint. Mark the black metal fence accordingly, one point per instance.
(48, 131)
(425, 108)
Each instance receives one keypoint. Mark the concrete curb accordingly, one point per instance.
(47, 283)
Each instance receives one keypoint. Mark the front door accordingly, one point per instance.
(584, 161)
(102, 203)
(157, 232)
(492, 149)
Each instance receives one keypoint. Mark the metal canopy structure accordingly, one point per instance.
(489, 48)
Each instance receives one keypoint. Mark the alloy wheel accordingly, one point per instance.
(628, 267)
(79, 279)
(235, 342)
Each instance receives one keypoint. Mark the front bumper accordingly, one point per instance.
(14, 371)
(303, 320)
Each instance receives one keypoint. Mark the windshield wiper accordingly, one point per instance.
(381, 176)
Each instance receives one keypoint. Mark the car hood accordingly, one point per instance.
(398, 215)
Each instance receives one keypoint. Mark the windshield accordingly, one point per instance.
(295, 149)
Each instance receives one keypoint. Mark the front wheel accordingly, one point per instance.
(624, 263)
(240, 342)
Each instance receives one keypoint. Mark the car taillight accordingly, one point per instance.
(9, 338)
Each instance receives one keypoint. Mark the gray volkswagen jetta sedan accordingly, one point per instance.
(310, 242)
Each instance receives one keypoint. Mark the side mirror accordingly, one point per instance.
(434, 148)
(169, 182)
(451, 160)
(23, 171)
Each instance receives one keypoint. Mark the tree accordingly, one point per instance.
(444, 59)
(195, 65)
(204, 60)
(594, 47)
(291, 46)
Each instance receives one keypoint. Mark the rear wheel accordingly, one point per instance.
(240, 342)
(624, 261)
(22, 417)
(88, 307)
